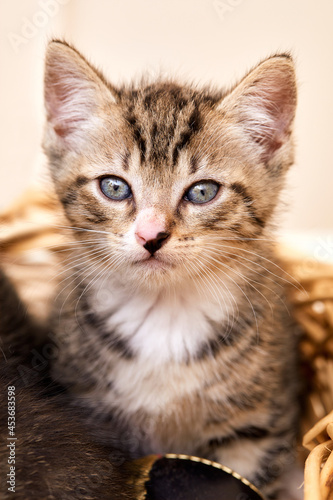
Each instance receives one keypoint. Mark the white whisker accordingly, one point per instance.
(95, 278)
(215, 278)
(214, 248)
(238, 286)
(294, 282)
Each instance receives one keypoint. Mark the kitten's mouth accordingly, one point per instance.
(153, 262)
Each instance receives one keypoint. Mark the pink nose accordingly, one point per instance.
(150, 231)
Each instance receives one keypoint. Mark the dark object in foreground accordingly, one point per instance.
(179, 477)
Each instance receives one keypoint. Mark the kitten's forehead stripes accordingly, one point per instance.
(193, 126)
(164, 118)
(125, 161)
(194, 164)
(137, 135)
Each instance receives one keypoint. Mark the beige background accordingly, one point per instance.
(204, 40)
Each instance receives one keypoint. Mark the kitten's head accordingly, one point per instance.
(168, 179)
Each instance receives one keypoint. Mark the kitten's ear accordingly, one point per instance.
(74, 92)
(264, 104)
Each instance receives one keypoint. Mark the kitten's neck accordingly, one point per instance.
(168, 324)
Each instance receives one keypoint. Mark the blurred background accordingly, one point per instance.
(202, 40)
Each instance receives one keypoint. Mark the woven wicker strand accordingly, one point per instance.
(318, 473)
(314, 487)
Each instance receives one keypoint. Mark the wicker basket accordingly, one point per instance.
(313, 309)
(32, 244)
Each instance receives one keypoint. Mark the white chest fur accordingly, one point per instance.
(166, 327)
(162, 331)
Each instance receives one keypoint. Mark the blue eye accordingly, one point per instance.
(115, 188)
(202, 192)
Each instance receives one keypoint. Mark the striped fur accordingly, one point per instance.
(193, 353)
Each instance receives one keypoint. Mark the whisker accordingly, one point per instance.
(214, 248)
(262, 284)
(92, 266)
(245, 295)
(206, 272)
(249, 281)
(73, 264)
(75, 228)
(95, 278)
(295, 283)
(229, 295)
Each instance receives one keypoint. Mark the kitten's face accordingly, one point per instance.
(175, 180)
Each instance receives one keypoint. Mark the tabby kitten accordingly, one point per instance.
(172, 321)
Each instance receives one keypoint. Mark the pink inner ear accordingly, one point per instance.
(280, 108)
(54, 106)
(68, 99)
(269, 106)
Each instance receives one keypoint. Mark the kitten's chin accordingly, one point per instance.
(153, 263)
(152, 273)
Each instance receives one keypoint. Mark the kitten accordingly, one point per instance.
(173, 320)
